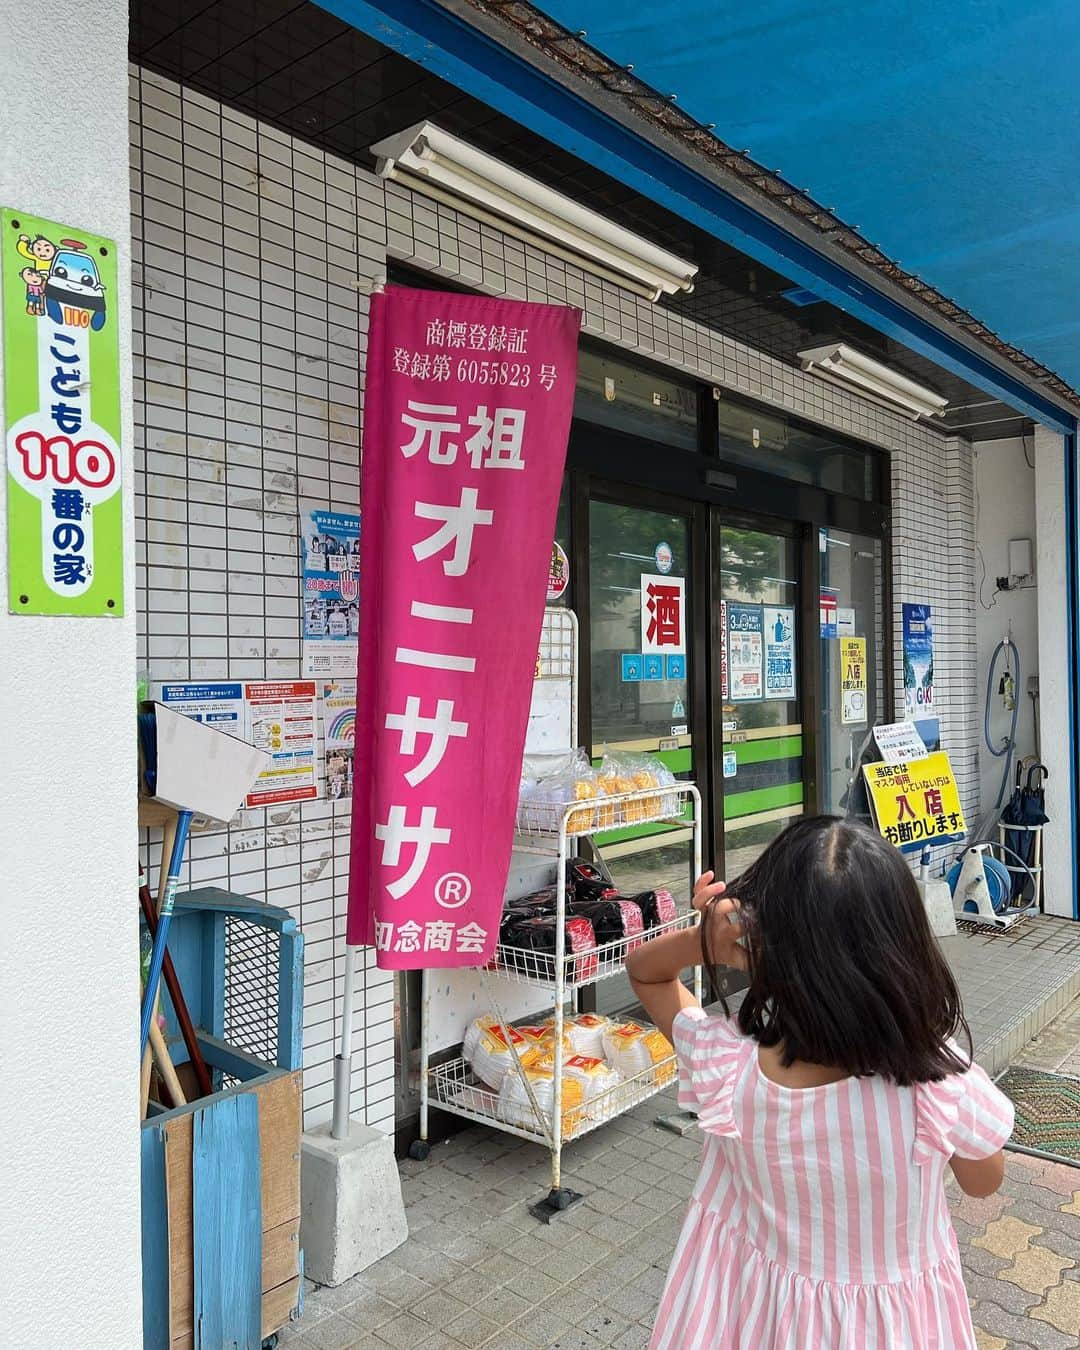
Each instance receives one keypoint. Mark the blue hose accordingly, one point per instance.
(1009, 748)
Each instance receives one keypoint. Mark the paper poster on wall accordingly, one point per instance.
(845, 622)
(281, 719)
(330, 546)
(663, 615)
(339, 735)
(899, 742)
(632, 667)
(731, 763)
(918, 660)
(853, 681)
(723, 652)
(220, 703)
(779, 623)
(745, 652)
(827, 605)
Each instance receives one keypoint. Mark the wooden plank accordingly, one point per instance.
(290, 1039)
(281, 1254)
(155, 1240)
(219, 1055)
(277, 1306)
(178, 1192)
(227, 1223)
(279, 1142)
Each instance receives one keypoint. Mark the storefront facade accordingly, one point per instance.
(255, 254)
(695, 455)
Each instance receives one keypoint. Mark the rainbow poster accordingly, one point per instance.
(339, 733)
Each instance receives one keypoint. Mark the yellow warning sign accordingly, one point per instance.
(916, 803)
(853, 680)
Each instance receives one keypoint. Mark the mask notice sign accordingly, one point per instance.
(62, 419)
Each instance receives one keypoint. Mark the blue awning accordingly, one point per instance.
(948, 132)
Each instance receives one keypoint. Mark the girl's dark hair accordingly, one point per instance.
(844, 969)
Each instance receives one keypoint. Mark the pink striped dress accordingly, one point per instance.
(819, 1220)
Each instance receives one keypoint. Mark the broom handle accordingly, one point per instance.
(168, 838)
(165, 1065)
(165, 909)
(183, 1017)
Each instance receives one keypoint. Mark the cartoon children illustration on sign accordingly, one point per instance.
(38, 252)
(35, 290)
(62, 281)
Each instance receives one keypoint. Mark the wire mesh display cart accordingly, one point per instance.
(551, 830)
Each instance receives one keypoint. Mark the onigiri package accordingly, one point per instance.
(516, 1108)
(633, 1049)
(597, 1079)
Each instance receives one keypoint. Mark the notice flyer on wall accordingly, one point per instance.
(723, 652)
(918, 661)
(330, 549)
(219, 703)
(281, 718)
(745, 626)
(779, 651)
(339, 736)
(61, 409)
(853, 681)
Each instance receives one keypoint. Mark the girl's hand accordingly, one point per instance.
(724, 930)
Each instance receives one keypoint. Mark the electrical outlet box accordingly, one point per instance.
(1020, 564)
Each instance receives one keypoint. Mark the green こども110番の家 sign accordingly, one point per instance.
(61, 418)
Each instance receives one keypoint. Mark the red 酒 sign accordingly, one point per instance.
(466, 420)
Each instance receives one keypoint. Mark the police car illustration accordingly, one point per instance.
(75, 284)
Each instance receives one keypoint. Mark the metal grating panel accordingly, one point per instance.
(251, 986)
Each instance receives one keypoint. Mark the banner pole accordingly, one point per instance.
(343, 1059)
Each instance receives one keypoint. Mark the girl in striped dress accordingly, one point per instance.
(831, 1105)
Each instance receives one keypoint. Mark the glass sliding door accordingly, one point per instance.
(640, 637)
(756, 581)
(853, 695)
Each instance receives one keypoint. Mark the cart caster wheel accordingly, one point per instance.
(563, 1199)
(271, 1342)
(419, 1150)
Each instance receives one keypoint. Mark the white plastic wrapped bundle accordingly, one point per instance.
(493, 1056)
(516, 1108)
(633, 1049)
(473, 1032)
(585, 1034)
(597, 1080)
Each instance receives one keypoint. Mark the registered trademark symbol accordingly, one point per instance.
(453, 890)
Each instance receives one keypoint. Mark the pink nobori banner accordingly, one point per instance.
(466, 420)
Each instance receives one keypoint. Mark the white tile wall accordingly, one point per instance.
(254, 254)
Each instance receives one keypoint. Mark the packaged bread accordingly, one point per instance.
(639, 773)
(516, 1108)
(556, 782)
(633, 1049)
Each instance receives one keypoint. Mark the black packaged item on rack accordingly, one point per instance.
(657, 907)
(535, 939)
(613, 920)
(586, 882)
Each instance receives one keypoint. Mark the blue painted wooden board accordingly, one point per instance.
(155, 1240)
(227, 1224)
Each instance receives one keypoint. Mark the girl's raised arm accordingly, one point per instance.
(655, 967)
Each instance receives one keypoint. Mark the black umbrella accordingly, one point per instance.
(1026, 807)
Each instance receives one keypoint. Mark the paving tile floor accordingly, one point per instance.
(479, 1270)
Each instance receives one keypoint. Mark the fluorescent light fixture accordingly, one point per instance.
(439, 165)
(843, 365)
